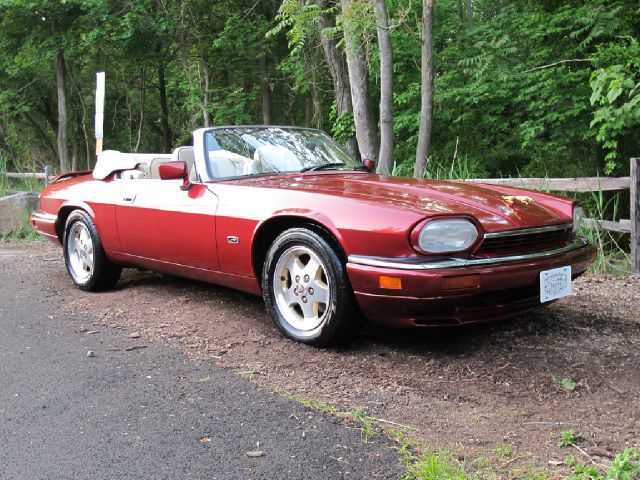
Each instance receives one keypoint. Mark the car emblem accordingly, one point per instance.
(512, 199)
(233, 239)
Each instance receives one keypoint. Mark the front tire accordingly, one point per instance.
(306, 289)
(84, 256)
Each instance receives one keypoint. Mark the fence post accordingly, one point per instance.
(47, 174)
(635, 214)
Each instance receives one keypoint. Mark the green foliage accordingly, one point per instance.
(298, 20)
(616, 96)
(625, 466)
(22, 235)
(368, 425)
(343, 127)
(569, 438)
(533, 88)
(566, 383)
(435, 466)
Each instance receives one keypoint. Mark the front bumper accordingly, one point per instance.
(508, 286)
(45, 225)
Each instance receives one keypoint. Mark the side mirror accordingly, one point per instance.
(370, 164)
(175, 171)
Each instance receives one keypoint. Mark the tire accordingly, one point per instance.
(306, 289)
(84, 256)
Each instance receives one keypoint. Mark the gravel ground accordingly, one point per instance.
(485, 393)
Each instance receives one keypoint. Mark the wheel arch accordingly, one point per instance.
(269, 230)
(64, 213)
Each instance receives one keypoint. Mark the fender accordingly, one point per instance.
(304, 214)
(106, 224)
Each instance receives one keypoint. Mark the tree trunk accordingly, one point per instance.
(205, 97)
(461, 14)
(141, 118)
(266, 91)
(469, 14)
(336, 62)
(308, 110)
(385, 160)
(164, 109)
(366, 128)
(426, 102)
(74, 157)
(63, 149)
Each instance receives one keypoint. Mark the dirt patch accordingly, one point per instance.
(483, 392)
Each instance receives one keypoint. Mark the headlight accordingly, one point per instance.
(578, 217)
(447, 235)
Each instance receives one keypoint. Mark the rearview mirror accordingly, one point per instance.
(175, 171)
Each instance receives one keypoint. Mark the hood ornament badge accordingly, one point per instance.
(512, 199)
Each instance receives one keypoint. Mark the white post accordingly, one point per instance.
(99, 111)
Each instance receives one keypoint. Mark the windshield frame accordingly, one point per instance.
(206, 137)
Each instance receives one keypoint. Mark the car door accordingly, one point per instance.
(157, 220)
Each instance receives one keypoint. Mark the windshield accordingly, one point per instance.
(242, 151)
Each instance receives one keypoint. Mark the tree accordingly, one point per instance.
(385, 159)
(63, 147)
(366, 129)
(336, 63)
(426, 96)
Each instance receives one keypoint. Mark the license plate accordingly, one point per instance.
(555, 283)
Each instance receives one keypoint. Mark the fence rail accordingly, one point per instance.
(592, 184)
(45, 175)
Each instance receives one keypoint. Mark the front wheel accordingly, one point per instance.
(306, 289)
(84, 256)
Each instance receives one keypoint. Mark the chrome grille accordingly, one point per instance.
(525, 240)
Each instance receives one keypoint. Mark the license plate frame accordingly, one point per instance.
(555, 283)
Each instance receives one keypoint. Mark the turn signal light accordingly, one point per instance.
(392, 283)
(461, 281)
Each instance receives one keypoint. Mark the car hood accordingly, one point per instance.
(497, 208)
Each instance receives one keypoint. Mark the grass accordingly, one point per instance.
(368, 425)
(8, 186)
(11, 185)
(435, 466)
(24, 234)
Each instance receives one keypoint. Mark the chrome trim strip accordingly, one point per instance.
(452, 262)
(527, 231)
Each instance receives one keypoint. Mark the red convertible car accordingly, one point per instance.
(285, 213)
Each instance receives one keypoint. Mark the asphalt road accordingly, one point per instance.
(146, 413)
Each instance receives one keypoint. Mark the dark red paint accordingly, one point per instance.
(158, 225)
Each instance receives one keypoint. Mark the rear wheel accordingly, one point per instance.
(306, 289)
(84, 256)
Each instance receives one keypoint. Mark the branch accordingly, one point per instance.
(558, 63)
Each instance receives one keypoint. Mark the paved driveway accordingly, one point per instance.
(147, 412)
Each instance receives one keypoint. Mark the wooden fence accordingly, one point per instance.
(579, 184)
(45, 175)
(592, 184)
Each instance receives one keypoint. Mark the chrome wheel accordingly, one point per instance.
(80, 252)
(301, 288)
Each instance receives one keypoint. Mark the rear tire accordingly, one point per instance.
(306, 289)
(84, 256)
